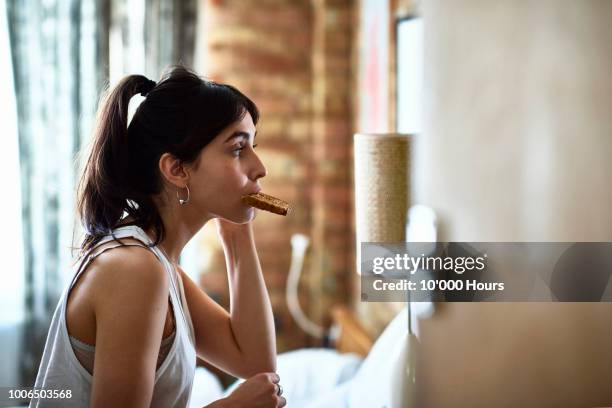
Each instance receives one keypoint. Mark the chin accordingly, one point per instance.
(249, 215)
(242, 217)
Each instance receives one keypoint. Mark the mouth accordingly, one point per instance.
(257, 190)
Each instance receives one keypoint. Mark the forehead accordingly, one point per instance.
(246, 123)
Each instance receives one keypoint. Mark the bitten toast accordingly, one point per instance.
(267, 203)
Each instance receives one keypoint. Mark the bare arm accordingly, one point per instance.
(217, 332)
(130, 303)
(251, 316)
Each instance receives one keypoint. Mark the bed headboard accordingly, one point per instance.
(351, 337)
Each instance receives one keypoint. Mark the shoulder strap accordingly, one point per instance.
(96, 250)
(102, 250)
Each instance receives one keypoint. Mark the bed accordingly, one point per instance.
(359, 372)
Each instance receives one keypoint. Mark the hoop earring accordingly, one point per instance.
(180, 200)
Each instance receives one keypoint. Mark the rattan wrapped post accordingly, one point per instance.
(382, 188)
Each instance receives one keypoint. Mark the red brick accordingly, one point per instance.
(294, 59)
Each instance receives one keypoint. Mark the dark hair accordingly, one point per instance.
(180, 115)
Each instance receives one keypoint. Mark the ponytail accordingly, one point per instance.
(102, 189)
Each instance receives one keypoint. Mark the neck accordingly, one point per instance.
(179, 226)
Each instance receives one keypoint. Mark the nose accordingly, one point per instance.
(258, 169)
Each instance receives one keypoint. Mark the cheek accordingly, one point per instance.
(229, 177)
(221, 182)
(221, 189)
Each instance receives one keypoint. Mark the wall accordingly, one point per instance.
(292, 59)
(516, 148)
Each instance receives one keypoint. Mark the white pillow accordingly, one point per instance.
(206, 388)
(375, 384)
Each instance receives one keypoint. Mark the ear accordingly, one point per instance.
(173, 170)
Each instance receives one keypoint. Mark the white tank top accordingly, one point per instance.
(61, 370)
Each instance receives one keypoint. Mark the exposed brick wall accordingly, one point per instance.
(293, 59)
(333, 238)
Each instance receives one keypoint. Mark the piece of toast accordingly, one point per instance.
(267, 203)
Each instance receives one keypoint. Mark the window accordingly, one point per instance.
(409, 75)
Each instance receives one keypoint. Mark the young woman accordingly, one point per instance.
(129, 326)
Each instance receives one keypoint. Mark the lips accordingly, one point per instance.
(257, 190)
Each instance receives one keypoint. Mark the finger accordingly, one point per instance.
(275, 378)
(282, 402)
(263, 375)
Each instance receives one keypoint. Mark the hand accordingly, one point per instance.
(259, 391)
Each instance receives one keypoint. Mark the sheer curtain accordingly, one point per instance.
(148, 35)
(63, 54)
(57, 75)
(11, 252)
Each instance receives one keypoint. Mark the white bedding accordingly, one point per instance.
(305, 374)
(321, 378)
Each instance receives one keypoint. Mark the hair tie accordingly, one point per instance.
(147, 87)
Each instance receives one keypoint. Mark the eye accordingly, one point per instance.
(239, 148)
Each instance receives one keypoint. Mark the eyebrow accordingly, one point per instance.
(236, 134)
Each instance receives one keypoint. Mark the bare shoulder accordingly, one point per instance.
(126, 271)
(130, 303)
(115, 276)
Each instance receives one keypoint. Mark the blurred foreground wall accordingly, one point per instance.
(517, 148)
